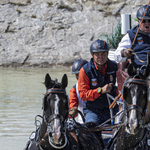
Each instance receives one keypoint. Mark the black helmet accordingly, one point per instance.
(141, 12)
(99, 46)
(77, 65)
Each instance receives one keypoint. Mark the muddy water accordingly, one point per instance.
(21, 93)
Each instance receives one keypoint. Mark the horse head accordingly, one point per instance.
(55, 110)
(135, 96)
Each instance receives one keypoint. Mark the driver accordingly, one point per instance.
(141, 46)
(95, 80)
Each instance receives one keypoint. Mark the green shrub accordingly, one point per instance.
(33, 16)
(115, 37)
(19, 11)
(50, 4)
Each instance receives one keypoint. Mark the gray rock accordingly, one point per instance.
(53, 33)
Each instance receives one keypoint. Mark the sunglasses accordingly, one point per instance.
(144, 21)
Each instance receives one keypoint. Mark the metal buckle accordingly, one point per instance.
(141, 143)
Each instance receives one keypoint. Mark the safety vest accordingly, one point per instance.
(97, 79)
(141, 46)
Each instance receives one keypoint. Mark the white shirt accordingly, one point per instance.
(80, 105)
(124, 44)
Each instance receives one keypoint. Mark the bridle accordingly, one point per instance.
(55, 90)
(54, 116)
(134, 106)
(137, 81)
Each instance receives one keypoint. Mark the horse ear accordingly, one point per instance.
(47, 80)
(64, 81)
(131, 70)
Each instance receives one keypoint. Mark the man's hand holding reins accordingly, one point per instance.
(107, 88)
(73, 111)
(127, 52)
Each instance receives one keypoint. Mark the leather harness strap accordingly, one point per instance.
(55, 90)
(138, 81)
(74, 136)
(136, 107)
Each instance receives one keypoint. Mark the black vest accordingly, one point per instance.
(97, 79)
(141, 46)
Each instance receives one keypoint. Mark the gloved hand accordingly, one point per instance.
(127, 52)
(73, 111)
(107, 88)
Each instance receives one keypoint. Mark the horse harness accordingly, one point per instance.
(136, 81)
(57, 91)
(136, 107)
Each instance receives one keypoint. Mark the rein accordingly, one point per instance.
(138, 58)
(99, 127)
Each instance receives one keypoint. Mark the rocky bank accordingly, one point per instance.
(48, 33)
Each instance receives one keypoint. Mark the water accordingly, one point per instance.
(21, 93)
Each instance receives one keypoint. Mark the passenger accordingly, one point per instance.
(96, 78)
(141, 46)
(74, 99)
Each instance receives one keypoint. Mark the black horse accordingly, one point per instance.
(53, 133)
(132, 135)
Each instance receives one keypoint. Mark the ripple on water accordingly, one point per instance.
(21, 93)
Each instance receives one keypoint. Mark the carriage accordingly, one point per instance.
(128, 132)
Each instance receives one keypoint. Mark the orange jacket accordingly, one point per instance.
(85, 92)
(73, 99)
